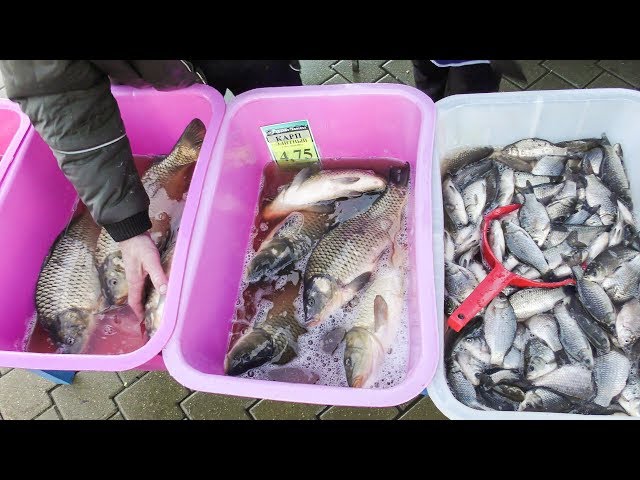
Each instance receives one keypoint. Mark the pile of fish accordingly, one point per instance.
(83, 275)
(337, 261)
(573, 349)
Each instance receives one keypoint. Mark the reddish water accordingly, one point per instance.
(273, 178)
(116, 331)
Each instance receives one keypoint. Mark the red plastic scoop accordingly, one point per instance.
(498, 278)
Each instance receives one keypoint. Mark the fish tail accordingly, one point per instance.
(528, 189)
(193, 135)
(190, 142)
(400, 175)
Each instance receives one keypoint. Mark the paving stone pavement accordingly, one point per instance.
(155, 395)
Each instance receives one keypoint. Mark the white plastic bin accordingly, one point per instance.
(498, 119)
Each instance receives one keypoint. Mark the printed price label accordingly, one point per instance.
(291, 144)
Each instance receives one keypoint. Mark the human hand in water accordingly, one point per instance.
(141, 258)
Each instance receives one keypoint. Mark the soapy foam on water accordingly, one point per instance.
(327, 366)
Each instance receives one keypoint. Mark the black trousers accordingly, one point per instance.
(439, 82)
(242, 75)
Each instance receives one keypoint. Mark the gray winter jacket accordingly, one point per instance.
(69, 102)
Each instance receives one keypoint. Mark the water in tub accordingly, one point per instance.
(315, 225)
(112, 329)
(563, 350)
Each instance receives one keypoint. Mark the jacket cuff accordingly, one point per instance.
(129, 227)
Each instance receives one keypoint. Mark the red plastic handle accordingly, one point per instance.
(489, 288)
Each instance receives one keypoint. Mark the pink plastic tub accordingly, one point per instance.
(347, 121)
(36, 202)
(13, 127)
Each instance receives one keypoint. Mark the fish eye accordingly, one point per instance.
(113, 282)
(69, 340)
(347, 362)
(311, 302)
(531, 368)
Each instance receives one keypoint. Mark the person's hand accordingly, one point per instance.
(141, 257)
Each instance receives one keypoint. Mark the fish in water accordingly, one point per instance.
(315, 190)
(68, 292)
(375, 328)
(343, 260)
(154, 306)
(289, 242)
(166, 183)
(272, 340)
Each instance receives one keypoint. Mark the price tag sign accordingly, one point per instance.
(291, 144)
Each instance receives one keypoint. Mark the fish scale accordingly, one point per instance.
(154, 306)
(283, 327)
(69, 279)
(352, 247)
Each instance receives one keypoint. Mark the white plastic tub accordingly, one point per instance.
(498, 119)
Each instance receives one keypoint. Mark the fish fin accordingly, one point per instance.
(288, 354)
(605, 140)
(380, 312)
(301, 176)
(347, 180)
(321, 208)
(573, 241)
(512, 162)
(618, 149)
(400, 175)
(193, 135)
(592, 210)
(357, 283)
(525, 190)
(558, 227)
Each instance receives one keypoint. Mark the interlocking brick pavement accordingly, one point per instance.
(49, 414)
(423, 409)
(357, 413)
(270, 410)
(89, 397)
(23, 395)
(155, 395)
(206, 406)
